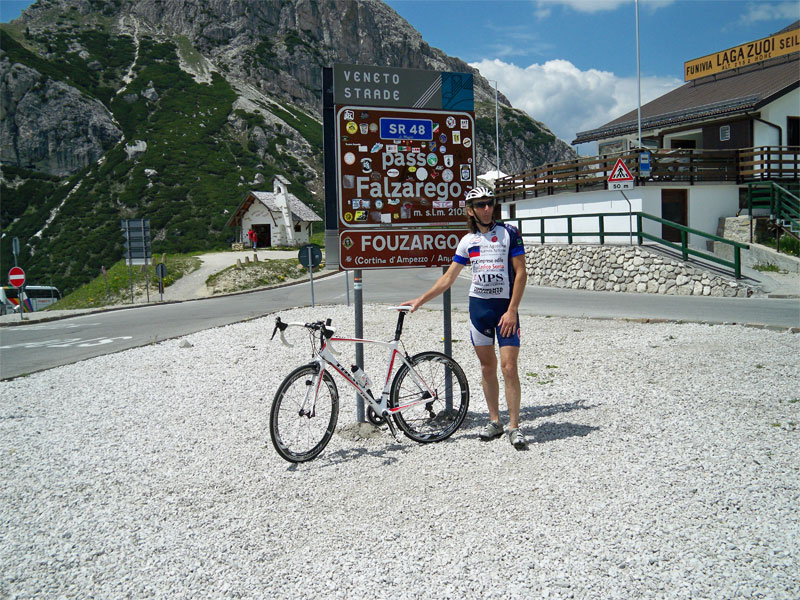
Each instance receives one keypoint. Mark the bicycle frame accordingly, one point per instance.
(326, 357)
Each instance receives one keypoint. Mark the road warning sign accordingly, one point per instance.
(620, 178)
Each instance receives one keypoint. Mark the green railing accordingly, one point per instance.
(783, 204)
(601, 233)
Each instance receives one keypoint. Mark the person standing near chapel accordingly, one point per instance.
(497, 256)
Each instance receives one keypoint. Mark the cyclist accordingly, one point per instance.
(497, 255)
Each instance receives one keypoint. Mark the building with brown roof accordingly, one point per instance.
(726, 140)
(757, 104)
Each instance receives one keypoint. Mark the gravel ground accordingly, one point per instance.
(664, 463)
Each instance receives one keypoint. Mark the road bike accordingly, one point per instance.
(427, 399)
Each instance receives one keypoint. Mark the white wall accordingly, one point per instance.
(259, 215)
(706, 204)
(776, 112)
(694, 134)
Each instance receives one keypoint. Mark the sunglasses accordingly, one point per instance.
(483, 204)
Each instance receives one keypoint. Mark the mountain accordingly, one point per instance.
(172, 110)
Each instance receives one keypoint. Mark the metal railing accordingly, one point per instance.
(601, 234)
(783, 205)
(687, 166)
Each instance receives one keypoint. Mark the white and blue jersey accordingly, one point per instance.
(490, 255)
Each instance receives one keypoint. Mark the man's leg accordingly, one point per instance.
(509, 358)
(491, 387)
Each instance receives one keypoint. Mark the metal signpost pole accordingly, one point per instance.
(358, 297)
(161, 272)
(311, 274)
(130, 258)
(15, 251)
(448, 346)
(638, 78)
(496, 130)
(630, 217)
(146, 262)
(347, 286)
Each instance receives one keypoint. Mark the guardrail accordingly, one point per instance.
(687, 166)
(639, 233)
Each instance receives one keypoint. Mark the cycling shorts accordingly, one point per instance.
(484, 319)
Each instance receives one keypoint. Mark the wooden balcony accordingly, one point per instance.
(686, 167)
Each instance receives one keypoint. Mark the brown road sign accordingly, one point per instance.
(403, 167)
(382, 248)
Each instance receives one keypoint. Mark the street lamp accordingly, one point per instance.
(496, 130)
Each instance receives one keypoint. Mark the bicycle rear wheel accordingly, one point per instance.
(304, 414)
(439, 380)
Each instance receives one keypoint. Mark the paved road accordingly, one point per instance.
(37, 346)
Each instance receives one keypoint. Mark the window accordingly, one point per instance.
(793, 131)
(724, 133)
(297, 227)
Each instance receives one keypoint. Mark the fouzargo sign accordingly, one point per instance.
(378, 249)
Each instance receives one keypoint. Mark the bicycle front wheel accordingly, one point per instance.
(304, 414)
(435, 393)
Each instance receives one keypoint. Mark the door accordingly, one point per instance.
(674, 207)
(264, 233)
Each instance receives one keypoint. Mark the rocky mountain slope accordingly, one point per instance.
(172, 110)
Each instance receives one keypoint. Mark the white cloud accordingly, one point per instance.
(543, 7)
(567, 99)
(770, 11)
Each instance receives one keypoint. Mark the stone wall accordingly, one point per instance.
(623, 269)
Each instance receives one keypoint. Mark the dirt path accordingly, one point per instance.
(193, 285)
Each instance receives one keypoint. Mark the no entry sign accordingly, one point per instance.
(16, 277)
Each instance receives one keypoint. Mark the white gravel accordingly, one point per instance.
(664, 463)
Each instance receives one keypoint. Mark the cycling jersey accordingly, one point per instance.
(490, 255)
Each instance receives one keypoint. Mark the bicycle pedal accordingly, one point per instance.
(387, 418)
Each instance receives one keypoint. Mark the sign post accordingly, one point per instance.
(15, 249)
(137, 248)
(399, 158)
(16, 277)
(621, 179)
(105, 278)
(161, 272)
(310, 256)
(644, 164)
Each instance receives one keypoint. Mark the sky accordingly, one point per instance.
(572, 63)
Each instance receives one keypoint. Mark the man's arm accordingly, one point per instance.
(442, 284)
(508, 322)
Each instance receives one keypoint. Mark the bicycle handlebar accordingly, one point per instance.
(323, 327)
